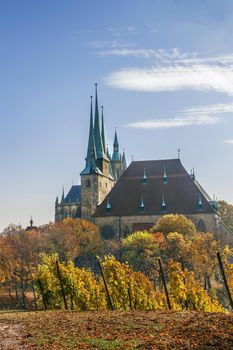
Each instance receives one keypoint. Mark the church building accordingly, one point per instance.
(121, 199)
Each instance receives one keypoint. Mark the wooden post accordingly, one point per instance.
(164, 284)
(105, 285)
(61, 284)
(42, 294)
(130, 298)
(225, 279)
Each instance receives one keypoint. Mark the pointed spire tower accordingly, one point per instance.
(97, 135)
(96, 178)
(116, 154)
(118, 161)
(124, 164)
(102, 129)
(91, 149)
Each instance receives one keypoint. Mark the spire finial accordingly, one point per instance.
(31, 222)
(97, 133)
(178, 151)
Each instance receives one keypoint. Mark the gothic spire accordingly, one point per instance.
(91, 150)
(97, 136)
(63, 195)
(102, 129)
(124, 160)
(116, 154)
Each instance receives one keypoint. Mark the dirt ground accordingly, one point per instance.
(106, 330)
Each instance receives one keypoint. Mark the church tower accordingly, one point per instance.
(96, 178)
(118, 160)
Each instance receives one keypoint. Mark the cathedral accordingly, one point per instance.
(121, 199)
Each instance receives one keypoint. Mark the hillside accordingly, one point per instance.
(106, 330)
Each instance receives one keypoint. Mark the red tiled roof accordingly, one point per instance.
(181, 195)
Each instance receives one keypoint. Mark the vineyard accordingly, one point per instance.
(172, 267)
(168, 288)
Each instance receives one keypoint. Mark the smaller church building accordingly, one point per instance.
(121, 199)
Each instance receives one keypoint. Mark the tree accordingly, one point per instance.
(226, 212)
(72, 238)
(174, 223)
(141, 249)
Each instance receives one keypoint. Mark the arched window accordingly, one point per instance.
(201, 227)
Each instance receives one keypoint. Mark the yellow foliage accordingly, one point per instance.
(185, 289)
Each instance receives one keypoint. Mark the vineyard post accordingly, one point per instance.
(105, 284)
(42, 294)
(164, 284)
(130, 298)
(61, 284)
(224, 279)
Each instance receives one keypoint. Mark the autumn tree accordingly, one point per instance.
(174, 223)
(141, 249)
(19, 256)
(226, 212)
(72, 238)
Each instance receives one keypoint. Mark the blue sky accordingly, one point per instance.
(165, 77)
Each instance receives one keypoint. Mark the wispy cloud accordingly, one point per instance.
(173, 71)
(128, 29)
(228, 141)
(110, 44)
(194, 116)
(174, 122)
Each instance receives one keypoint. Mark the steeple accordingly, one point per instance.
(31, 223)
(124, 160)
(102, 129)
(91, 150)
(116, 154)
(63, 195)
(97, 136)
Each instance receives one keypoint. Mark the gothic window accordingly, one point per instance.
(88, 183)
(201, 227)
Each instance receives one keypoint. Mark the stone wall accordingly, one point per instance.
(122, 225)
(94, 189)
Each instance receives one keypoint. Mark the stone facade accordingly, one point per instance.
(119, 227)
(94, 189)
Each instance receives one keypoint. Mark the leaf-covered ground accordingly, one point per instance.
(115, 330)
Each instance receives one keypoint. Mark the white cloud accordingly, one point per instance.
(218, 108)
(174, 122)
(193, 77)
(228, 141)
(198, 115)
(172, 71)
